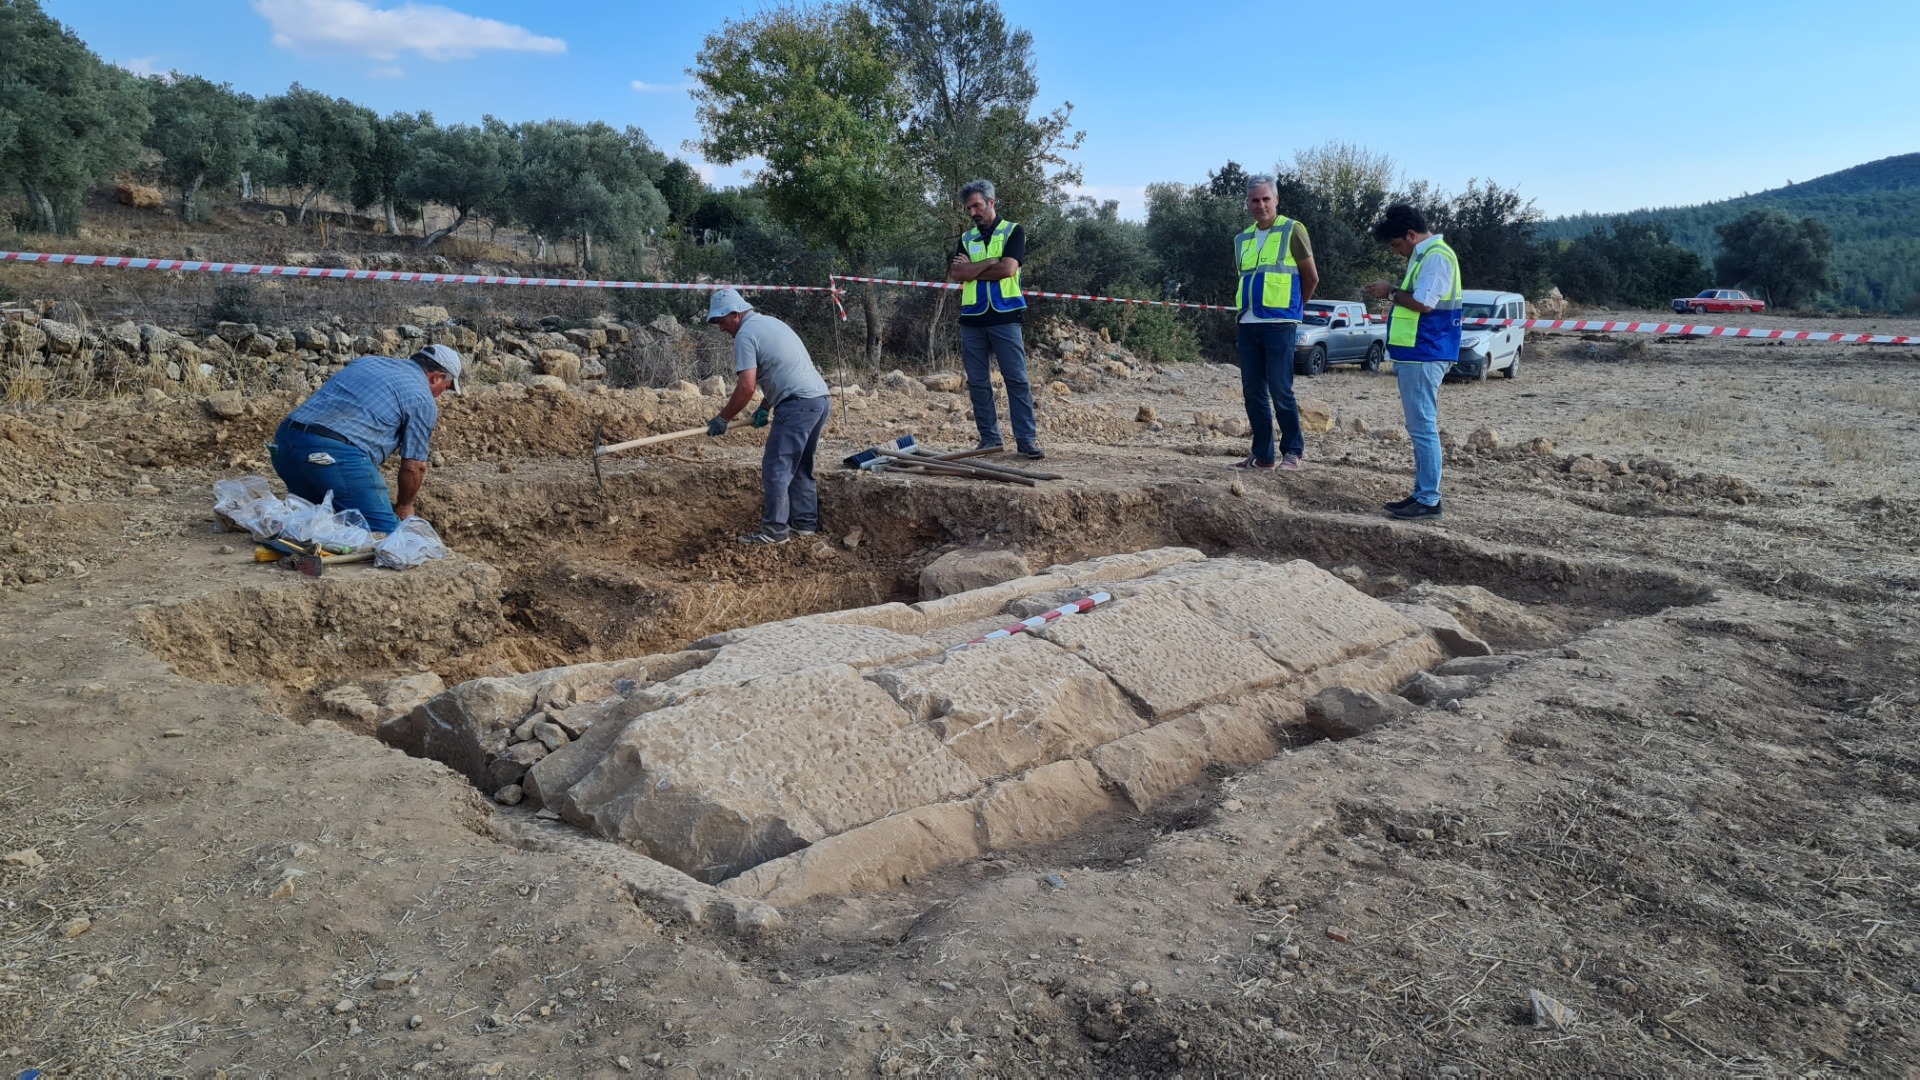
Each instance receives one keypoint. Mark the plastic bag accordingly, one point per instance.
(342, 532)
(412, 544)
(295, 517)
(234, 500)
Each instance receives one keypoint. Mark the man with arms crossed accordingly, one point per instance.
(991, 308)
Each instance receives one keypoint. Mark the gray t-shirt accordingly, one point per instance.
(785, 369)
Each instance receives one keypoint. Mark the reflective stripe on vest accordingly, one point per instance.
(1269, 274)
(1001, 295)
(1433, 336)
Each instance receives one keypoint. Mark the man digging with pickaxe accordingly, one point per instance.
(769, 357)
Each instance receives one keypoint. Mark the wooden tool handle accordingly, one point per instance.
(648, 440)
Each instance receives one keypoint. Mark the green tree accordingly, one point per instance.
(682, 188)
(1492, 230)
(1349, 182)
(1787, 261)
(1630, 261)
(385, 159)
(582, 181)
(202, 130)
(815, 94)
(319, 139)
(70, 120)
(970, 82)
(468, 168)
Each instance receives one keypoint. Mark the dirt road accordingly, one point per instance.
(1687, 812)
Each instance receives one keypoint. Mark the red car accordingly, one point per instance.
(1719, 300)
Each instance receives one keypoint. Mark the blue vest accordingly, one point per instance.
(1433, 336)
(1269, 275)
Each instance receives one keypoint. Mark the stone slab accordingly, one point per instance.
(1445, 629)
(1502, 622)
(878, 856)
(1047, 804)
(1009, 705)
(1298, 614)
(742, 774)
(786, 649)
(1164, 656)
(1342, 713)
(1147, 767)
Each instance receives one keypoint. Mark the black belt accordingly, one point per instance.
(319, 429)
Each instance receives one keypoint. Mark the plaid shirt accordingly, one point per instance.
(379, 404)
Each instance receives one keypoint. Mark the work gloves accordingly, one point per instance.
(760, 416)
(716, 427)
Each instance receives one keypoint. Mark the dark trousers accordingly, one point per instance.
(1266, 383)
(786, 469)
(353, 478)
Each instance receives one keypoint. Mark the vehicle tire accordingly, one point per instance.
(1512, 370)
(1317, 360)
(1696, 309)
(1376, 352)
(1480, 373)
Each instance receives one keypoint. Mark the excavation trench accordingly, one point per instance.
(600, 643)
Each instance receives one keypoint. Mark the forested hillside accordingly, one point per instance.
(1872, 209)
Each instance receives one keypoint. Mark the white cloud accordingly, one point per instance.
(383, 73)
(659, 88)
(142, 65)
(435, 32)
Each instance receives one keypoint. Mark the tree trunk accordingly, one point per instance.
(439, 234)
(42, 209)
(246, 186)
(586, 249)
(301, 217)
(870, 305)
(540, 252)
(393, 223)
(933, 324)
(186, 198)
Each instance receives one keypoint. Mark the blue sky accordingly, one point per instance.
(1582, 106)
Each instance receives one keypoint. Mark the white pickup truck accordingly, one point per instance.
(1338, 332)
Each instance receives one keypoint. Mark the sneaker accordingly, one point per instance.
(1399, 504)
(763, 537)
(1290, 462)
(798, 531)
(988, 444)
(1251, 462)
(1416, 511)
(1033, 452)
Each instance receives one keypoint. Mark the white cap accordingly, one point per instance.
(444, 358)
(725, 302)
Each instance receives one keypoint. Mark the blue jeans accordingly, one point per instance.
(1010, 348)
(1266, 383)
(353, 477)
(1420, 401)
(786, 468)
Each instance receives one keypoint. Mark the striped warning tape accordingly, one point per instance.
(1037, 292)
(336, 273)
(1087, 603)
(835, 292)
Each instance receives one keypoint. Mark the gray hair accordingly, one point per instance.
(982, 188)
(1262, 181)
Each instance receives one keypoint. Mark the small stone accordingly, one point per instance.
(1548, 1012)
(345, 1005)
(655, 1059)
(954, 1025)
(1483, 440)
(303, 850)
(173, 733)
(783, 978)
(550, 735)
(510, 795)
(392, 980)
(25, 858)
(1053, 881)
(75, 926)
(853, 537)
(82, 982)
(414, 1022)
(1233, 806)
(947, 986)
(623, 1063)
(1238, 488)
(1140, 989)
(1147, 415)
(1339, 935)
(228, 549)
(284, 891)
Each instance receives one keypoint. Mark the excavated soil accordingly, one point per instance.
(1686, 812)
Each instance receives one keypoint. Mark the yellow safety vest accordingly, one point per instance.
(1269, 274)
(1001, 295)
(1435, 335)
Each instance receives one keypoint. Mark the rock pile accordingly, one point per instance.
(856, 750)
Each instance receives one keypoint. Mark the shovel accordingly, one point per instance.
(614, 448)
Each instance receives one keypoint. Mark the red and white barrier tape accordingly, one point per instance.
(1075, 608)
(834, 291)
(335, 273)
(1037, 292)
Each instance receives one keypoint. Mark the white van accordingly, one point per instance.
(1491, 348)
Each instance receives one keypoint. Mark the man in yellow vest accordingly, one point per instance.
(991, 309)
(1277, 278)
(1423, 341)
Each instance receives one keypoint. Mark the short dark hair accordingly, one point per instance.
(1399, 219)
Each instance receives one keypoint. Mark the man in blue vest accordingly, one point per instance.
(1423, 341)
(991, 309)
(1277, 278)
